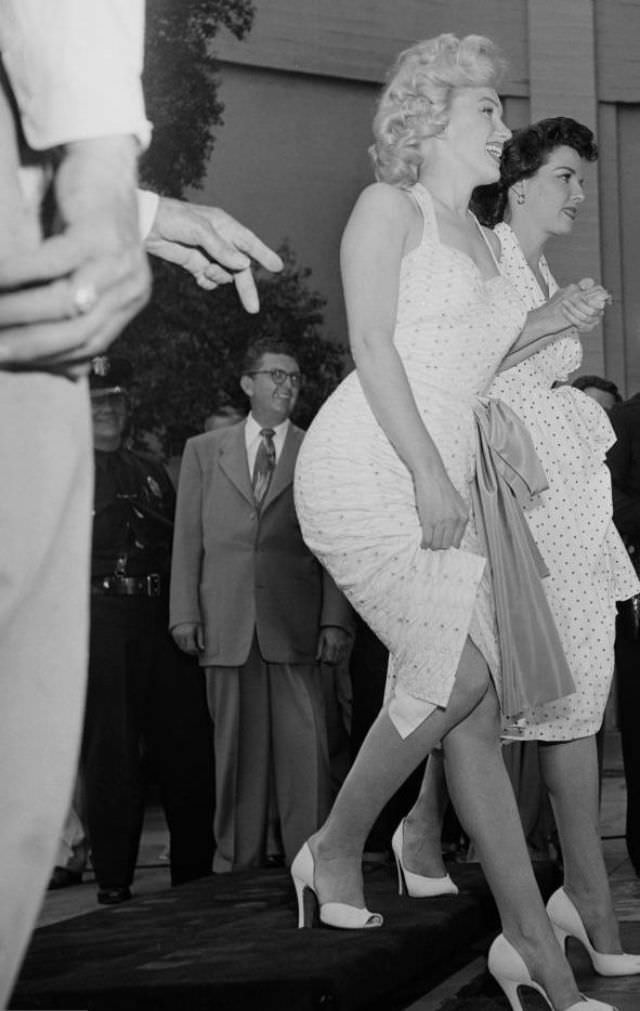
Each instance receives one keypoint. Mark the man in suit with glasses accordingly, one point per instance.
(252, 602)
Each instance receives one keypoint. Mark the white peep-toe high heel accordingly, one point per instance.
(417, 886)
(332, 914)
(510, 973)
(567, 922)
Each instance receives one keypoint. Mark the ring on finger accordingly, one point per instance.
(83, 299)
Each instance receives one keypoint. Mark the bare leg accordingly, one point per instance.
(570, 771)
(422, 845)
(381, 766)
(483, 797)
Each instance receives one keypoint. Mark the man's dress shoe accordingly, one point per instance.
(62, 877)
(112, 896)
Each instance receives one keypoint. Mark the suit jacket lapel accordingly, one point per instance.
(283, 474)
(233, 461)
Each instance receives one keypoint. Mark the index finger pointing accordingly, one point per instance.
(247, 291)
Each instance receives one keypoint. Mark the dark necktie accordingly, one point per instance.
(264, 466)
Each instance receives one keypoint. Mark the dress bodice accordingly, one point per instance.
(556, 361)
(453, 326)
(528, 386)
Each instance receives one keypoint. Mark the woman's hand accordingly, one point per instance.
(442, 511)
(579, 305)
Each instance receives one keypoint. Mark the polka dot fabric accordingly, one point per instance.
(571, 522)
(355, 497)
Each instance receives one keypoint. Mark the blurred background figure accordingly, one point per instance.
(603, 390)
(624, 463)
(73, 847)
(224, 415)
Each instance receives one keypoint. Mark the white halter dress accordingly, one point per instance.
(355, 498)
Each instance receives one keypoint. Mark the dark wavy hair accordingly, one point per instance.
(526, 151)
(598, 383)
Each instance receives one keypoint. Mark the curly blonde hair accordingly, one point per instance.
(416, 100)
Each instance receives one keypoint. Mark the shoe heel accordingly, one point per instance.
(508, 969)
(402, 887)
(307, 903)
(510, 990)
(561, 936)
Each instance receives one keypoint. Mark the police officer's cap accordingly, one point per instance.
(109, 374)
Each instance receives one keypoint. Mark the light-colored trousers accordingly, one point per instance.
(270, 743)
(46, 471)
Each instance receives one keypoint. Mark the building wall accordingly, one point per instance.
(299, 96)
(290, 161)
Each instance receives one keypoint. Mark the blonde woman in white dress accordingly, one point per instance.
(539, 195)
(383, 491)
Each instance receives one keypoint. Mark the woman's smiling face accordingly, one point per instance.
(476, 134)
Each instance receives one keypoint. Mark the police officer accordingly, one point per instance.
(146, 708)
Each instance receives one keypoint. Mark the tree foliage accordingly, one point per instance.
(187, 347)
(180, 84)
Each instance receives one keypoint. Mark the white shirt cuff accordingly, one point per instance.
(75, 68)
(147, 209)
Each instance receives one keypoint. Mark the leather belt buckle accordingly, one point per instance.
(129, 586)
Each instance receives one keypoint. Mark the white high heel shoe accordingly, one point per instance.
(332, 914)
(417, 886)
(567, 922)
(510, 972)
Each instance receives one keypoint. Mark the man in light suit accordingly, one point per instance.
(249, 598)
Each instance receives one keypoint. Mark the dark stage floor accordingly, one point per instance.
(230, 943)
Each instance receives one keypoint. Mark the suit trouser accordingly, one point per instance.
(45, 519)
(146, 715)
(269, 726)
(627, 651)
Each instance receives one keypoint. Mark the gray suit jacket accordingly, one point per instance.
(240, 571)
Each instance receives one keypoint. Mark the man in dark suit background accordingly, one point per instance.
(624, 462)
(252, 602)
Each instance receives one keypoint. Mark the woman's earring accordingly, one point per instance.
(519, 197)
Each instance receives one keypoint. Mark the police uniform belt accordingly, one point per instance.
(128, 586)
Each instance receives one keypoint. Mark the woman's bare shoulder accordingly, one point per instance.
(388, 199)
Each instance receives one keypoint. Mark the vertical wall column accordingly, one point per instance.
(562, 75)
